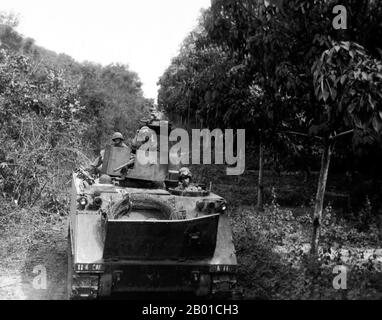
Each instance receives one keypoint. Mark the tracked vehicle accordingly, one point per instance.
(134, 232)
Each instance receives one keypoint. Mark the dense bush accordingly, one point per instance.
(55, 113)
(40, 133)
(272, 249)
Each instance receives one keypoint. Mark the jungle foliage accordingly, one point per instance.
(56, 113)
(280, 70)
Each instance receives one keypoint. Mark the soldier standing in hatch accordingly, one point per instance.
(185, 181)
(117, 139)
(144, 135)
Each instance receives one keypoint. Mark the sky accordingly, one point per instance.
(144, 34)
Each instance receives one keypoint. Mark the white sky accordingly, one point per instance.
(145, 34)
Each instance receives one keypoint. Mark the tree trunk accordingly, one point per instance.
(188, 113)
(260, 191)
(319, 204)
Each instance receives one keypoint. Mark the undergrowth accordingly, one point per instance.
(274, 260)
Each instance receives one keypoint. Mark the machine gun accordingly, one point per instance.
(128, 165)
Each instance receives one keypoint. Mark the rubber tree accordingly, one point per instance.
(319, 202)
(348, 82)
(270, 49)
(253, 39)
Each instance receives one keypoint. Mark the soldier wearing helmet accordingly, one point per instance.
(144, 135)
(185, 179)
(117, 139)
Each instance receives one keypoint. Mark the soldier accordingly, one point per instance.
(185, 178)
(117, 139)
(144, 135)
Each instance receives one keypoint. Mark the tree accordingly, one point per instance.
(295, 74)
(114, 101)
(218, 64)
(349, 82)
(281, 50)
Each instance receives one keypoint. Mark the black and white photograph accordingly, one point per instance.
(192, 155)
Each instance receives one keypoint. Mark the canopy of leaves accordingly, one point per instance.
(261, 64)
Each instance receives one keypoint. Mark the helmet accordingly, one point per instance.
(144, 129)
(117, 135)
(145, 133)
(105, 179)
(184, 173)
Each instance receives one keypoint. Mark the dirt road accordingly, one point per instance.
(30, 247)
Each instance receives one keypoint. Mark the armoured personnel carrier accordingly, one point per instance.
(135, 232)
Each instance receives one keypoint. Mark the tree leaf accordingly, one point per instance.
(333, 93)
(325, 94)
(343, 79)
(377, 124)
